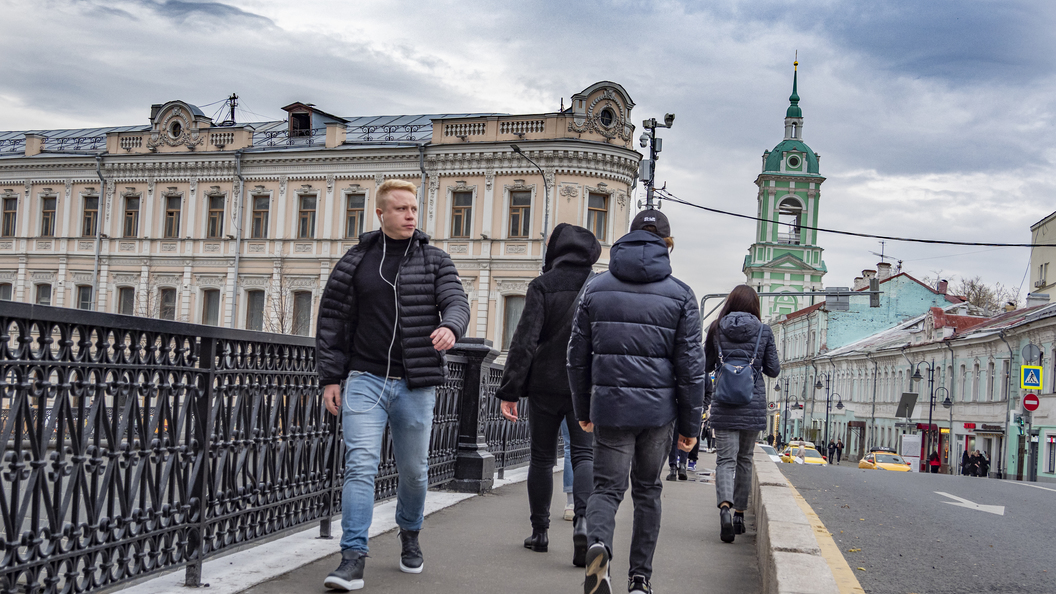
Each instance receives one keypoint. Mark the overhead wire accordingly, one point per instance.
(666, 195)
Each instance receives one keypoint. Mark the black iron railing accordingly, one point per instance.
(131, 446)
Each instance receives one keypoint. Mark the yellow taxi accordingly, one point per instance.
(810, 455)
(884, 459)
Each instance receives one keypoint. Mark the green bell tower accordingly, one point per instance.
(785, 256)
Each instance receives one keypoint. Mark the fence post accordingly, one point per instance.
(201, 431)
(474, 465)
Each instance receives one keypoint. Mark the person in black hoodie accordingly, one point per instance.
(636, 370)
(535, 368)
(737, 328)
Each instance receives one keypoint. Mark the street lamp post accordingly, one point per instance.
(546, 197)
(931, 399)
(784, 419)
(948, 404)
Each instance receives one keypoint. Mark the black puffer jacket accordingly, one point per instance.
(429, 288)
(635, 359)
(737, 331)
(535, 366)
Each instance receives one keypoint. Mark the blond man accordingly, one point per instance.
(392, 306)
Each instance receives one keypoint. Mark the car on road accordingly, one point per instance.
(770, 451)
(884, 459)
(810, 455)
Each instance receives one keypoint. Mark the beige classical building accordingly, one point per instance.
(240, 224)
(1042, 284)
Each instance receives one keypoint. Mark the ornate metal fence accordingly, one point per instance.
(131, 446)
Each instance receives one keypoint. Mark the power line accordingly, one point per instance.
(669, 196)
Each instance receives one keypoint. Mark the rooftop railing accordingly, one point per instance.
(132, 446)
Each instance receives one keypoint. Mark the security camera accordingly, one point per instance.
(669, 119)
(644, 140)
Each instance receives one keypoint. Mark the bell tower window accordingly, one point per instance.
(789, 217)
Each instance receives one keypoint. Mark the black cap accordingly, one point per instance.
(652, 217)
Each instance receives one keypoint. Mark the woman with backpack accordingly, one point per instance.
(739, 348)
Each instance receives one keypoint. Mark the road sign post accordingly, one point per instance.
(1031, 402)
(1030, 377)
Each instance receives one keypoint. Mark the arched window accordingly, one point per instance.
(790, 217)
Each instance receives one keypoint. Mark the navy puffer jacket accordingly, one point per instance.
(737, 331)
(635, 357)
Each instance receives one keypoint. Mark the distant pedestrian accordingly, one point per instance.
(934, 462)
(738, 328)
(832, 451)
(780, 441)
(536, 369)
(984, 465)
(966, 463)
(384, 322)
(770, 439)
(636, 371)
(839, 450)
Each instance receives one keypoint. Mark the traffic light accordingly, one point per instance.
(874, 296)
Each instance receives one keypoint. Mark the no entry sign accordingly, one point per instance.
(1031, 402)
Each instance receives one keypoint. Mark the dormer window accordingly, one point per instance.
(176, 130)
(607, 117)
(300, 124)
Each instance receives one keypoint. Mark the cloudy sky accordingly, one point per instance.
(933, 119)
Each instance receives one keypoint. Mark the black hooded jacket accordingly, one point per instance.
(429, 288)
(535, 365)
(737, 331)
(635, 357)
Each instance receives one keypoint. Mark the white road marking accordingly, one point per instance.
(1035, 486)
(962, 502)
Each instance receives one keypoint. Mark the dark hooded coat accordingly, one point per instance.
(430, 295)
(535, 366)
(738, 331)
(635, 358)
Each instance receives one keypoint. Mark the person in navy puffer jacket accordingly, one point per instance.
(635, 366)
(737, 427)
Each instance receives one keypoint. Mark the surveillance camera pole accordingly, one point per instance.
(655, 146)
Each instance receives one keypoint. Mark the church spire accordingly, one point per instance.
(793, 109)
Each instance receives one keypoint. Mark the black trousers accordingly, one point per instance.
(544, 427)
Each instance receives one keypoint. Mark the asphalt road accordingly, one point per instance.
(914, 540)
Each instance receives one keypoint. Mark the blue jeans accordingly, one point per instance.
(369, 402)
(566, 477)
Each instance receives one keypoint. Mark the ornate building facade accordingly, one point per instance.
(240, 224)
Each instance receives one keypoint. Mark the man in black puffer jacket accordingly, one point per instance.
(535, 367)
(392, 305)
(636, 370)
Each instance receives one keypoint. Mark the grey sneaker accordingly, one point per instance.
(638, 583)
(349, 575)
(410, 554)
(597, 581)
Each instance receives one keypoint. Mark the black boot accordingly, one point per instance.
(682, 476)
(673, 475)
(579, 541)
(538, 541)
(726, 532)
(738, 522)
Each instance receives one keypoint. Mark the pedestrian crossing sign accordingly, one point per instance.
(1030, 377)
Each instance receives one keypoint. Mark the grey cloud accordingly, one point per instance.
(182, 10)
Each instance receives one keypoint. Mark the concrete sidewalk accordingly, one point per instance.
(477, 545)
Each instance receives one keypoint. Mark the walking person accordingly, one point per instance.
(832, 451)
(984, 465)
(678, 462)
(636, 371)
(738, 328)
(966, 463)
(536, 369)
(934, 462)
(839, 450)
(392, 305)
(566, 474)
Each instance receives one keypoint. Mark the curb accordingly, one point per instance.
(789, 555)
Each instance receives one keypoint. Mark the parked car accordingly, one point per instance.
(884, 459)
(770, 451)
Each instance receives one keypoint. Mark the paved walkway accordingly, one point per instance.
(476, 545)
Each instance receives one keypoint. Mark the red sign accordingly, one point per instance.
(1031, 402)
(969, 425)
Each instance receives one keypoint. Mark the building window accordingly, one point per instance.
(255, 310)
(5, 292)
(306, 221)
(513, 306)
(126, 301)
(520, 213)
(302, 313)
(1052, 455)
(131, 217)
(260, 216)
(10, 212)
(47, 217)
(84, 297)
(168, 304)
(91, 216)
(462, 214)
(354, 215)
(216, 217)
(598, 215)
(211, 307)
(43, 295)
(990, 380)
(172, 217)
